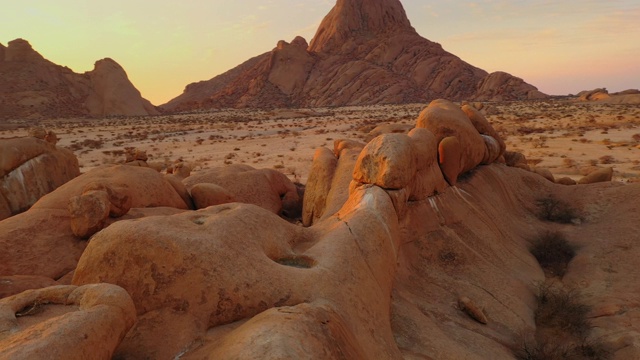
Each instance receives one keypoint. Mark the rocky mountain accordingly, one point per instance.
(34, 87)
(364, 52)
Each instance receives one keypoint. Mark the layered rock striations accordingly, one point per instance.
(29, 169)
(364, 52)
(34, 87)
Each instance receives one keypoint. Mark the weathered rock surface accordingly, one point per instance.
(15, 284)
(33, 87)
(267, 188)
(329, 180)
(631, 96)
(29, 169)
(465, 139)
(600, 175)
(41, 241)
(65, 322)
(395, 261)
(501, 86)
(364, 52)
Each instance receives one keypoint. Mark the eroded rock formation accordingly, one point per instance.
(30, 168)
(412, 248)
(34, 87)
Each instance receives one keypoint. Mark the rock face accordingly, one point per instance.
(54, 227)
(33, 87)
(364, 52)
(631, 96)
(267, 188)
(29, 169)
(394, 262)
(65, 322)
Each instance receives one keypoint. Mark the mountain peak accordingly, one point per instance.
(359, 18)
(21, 50)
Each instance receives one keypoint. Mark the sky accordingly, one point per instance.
(561, 47)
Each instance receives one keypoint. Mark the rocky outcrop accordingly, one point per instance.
(267, 188)
(29, 169)
(33, 87)
(364, 52)
(65, 322)
(55, 226)
(501, 86)
(111, 92)
(631, 96)
(395, 261)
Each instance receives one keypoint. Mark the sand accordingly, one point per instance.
(569, 138)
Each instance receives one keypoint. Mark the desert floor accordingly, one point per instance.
(568, 138)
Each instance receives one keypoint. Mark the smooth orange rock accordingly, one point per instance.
(445, 119)
(267, 188)
(205, 195)
(15, 284)
(601, 175)
(65, 322)
(318, 185)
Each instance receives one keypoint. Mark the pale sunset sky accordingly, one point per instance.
(561, 47)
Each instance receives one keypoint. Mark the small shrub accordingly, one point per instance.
(563, 310)
(562, 329)
(551, 209)
(548, 350)
(553, 252)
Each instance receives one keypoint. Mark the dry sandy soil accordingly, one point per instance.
(568, 138)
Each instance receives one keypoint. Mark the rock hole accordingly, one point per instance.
(301, 261)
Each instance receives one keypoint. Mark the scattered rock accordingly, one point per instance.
(471, 309)
(601, 175)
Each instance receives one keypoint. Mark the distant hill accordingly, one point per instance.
(34, 87)
(364, 52)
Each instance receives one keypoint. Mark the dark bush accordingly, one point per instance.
(553, 252)
(550, 349)
(551, 209)
(562, 329)
(562, 310)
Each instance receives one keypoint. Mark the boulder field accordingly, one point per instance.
(414, 245)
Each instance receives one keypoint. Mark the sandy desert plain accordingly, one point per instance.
(567, 137)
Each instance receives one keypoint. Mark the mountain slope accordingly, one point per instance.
(364, 52)
(34, 87)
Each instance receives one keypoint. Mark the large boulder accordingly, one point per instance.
(600, 175)
(399, 161)
(267, 188)
(461, 145)
(15, 284)
(65, 322)
(185, 277)
(46, 239)
(30, 168)
(328, 184)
